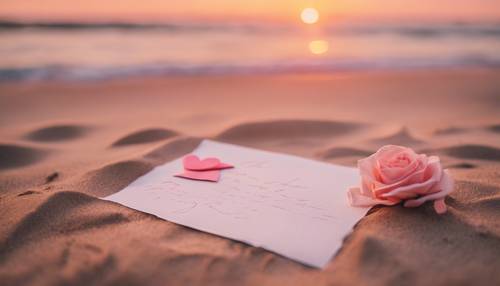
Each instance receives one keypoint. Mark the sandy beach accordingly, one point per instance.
(64, 144)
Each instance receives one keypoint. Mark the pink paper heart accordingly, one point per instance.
(192, 162)
(212, 175)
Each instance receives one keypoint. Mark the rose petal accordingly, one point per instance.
(391, 174)
(357, 199)
(412, 178)
(365, 167)
(411, 190)
(440, 206)
(444, 187)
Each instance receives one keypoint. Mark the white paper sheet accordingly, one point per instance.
(286, 204)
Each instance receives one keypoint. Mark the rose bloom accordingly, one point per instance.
(395, 173)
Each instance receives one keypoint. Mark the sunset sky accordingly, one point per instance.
(221, 10)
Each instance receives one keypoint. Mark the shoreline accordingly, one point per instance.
(256, 73)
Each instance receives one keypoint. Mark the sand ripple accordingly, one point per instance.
(478, 152)
(401, 137)
(56, 216)
(450, 131)
(286, 129)
(57, 133)
(113, 177)
(13, 156)
(145, 136)
(494, 128)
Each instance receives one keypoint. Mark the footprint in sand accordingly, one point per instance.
(494, 128)
(111, 178)
(286, 130)
(402, 137)
(60, 214)
(57, 133)
(461, 166)
(450, 131)
(145, 136)
(14, 156)
(478, 152)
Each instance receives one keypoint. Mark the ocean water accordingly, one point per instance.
(94, 51)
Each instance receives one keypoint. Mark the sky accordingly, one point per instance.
(251, 10)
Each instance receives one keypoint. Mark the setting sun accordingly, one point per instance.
(309, 15)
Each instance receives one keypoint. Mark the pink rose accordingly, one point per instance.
(394, 174)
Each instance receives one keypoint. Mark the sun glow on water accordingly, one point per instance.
(318, 47)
